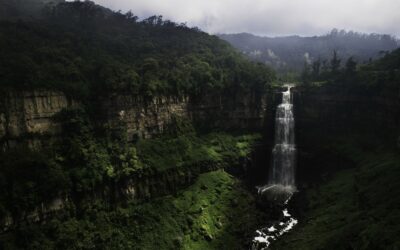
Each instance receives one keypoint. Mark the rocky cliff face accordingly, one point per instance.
(142, 118)
(146, 118)
(29, 114)
(328, 113)
(239, 111)
(27, 118)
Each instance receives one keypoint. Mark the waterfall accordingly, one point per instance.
(281, 182)
(284, 152)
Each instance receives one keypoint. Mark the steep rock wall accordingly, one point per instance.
(237, 111)
(142, 118)
(331, 112)
(30, 114)
(138, 187)
(147, 118)
(27, 117)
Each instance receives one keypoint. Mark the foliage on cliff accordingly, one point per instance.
(349, 140)
(85, 50)
(83, 161)
(216, 212)
(358, 208)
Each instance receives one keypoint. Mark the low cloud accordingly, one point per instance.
(272, 17)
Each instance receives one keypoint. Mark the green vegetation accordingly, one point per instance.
(86, 50)
(216, 212)
(357, 209)
(353, 153)
(217, 148)
(84, 164)
(89, 52)
(28, 178)
(380, 76)
(83, 161)
(287, 54)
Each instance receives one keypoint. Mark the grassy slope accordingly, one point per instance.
(223, 148)
(216, 212)
(357, 209)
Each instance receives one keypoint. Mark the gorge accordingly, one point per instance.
(120, 133)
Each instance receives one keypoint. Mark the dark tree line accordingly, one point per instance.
(375, 77)
(325, 70)
(84, 49)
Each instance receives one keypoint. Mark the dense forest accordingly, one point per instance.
(288, 54)
(83, 48)
(378, 76)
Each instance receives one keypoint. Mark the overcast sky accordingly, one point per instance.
(272, 17)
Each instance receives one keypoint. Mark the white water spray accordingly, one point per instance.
(281, 182)
(284, 152)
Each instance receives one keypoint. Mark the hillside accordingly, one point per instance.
(84, 48)
(290, 53)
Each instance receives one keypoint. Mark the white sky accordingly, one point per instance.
(272, 17)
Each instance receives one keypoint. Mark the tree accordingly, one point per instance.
(305, 75)
(325, 66)
(335, 63)
(316, 67)
(351, 66)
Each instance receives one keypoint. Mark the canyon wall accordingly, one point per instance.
(335, 114)
(27, 117)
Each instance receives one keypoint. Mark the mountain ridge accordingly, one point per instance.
(289, 53)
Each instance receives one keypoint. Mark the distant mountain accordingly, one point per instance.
(291, 52)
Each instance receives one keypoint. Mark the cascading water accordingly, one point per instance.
(281, 182)
(284, 152)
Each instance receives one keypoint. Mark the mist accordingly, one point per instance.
(268, 17)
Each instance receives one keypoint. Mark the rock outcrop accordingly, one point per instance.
(27, 118)
(142, 118)
(29, 114)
